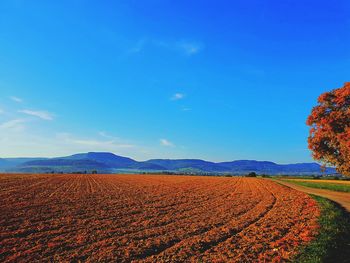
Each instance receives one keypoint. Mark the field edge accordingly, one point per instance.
(322, 185)
(332, 243)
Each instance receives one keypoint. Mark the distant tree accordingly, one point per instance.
(252, 174)
(329, 122)
(94, 172)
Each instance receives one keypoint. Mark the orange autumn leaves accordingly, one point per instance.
(329, 137)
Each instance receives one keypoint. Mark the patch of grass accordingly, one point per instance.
(322, 185)
(332, 244)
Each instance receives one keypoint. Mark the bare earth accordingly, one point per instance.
(145, 218)
(341, 198)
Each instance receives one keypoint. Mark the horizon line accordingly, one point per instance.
(173, 159)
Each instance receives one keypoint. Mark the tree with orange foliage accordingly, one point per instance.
(329, 138)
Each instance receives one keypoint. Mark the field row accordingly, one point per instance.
(151, 218)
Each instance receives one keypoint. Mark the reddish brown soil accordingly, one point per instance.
(151, 218)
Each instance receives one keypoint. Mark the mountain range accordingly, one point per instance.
(104, 162)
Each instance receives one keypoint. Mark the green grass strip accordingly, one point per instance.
(332, 244)
(321, 185)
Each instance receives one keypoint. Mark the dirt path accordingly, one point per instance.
(341, 198)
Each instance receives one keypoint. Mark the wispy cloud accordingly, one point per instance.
(1, 111)
(16, 99)
(186, 47)
(107, 136)
(15, 124)
(30, 141)
(112, 143)
(166, 143)
(100, 143)
(190, 48)
(39, 114)
(178, 96)
(185, 109)
(138, 47)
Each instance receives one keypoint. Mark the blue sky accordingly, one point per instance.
(218, 80)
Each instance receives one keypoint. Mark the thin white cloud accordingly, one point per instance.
(178, 96)
(23, 136)
(189, 48)
(186, 47)
(139, 46)
(31, 142)
(166, 143)
(16, 124)
(1, 111)
(107, 136)
(99, 144)
(16, 99)
(185, 109)
(39, 114)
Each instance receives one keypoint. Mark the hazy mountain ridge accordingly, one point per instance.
(12, 162)
(104, 162)
(177, 164)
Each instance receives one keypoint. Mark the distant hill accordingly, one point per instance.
(188, 163)
(104, 162)
(3, 163)
(109, 159)
(64, 165)
(273, 168)
(249, 166)
(6, 163)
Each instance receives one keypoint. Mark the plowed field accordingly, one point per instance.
(151, 218)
